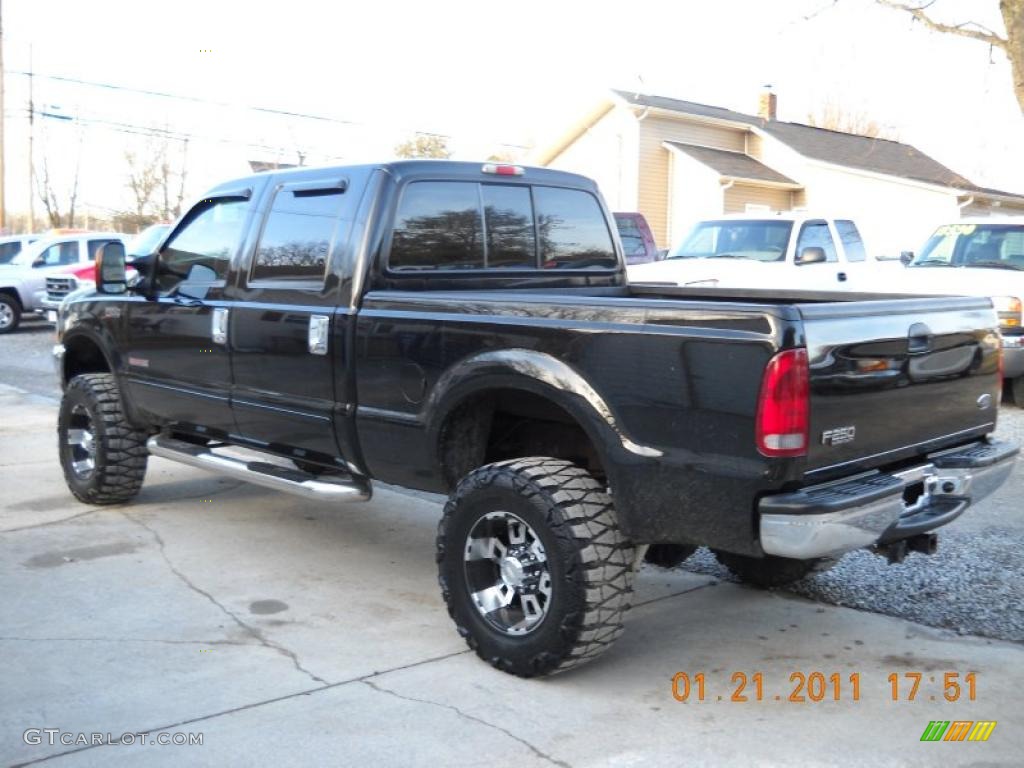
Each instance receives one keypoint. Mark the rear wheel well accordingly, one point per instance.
(82, 355)
(507, 424)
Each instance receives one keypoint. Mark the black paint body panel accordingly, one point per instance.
(663, 381)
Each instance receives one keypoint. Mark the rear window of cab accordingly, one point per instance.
(462, 225)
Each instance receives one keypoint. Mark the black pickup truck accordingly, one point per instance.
(469, 329)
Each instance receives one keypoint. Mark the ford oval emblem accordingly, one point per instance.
(984, 402)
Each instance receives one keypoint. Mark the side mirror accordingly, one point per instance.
(661, 255)
(906, 257)
(111, 276)
(40, 261)
(812, 254)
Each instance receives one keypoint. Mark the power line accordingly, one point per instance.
(179, 97)
(229, 105)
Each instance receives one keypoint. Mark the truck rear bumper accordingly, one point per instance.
(830, 519)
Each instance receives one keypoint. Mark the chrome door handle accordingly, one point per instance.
(219, 325)
(318, 328)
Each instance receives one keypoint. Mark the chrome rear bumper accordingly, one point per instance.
(830, 519)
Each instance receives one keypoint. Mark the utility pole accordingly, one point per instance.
(31, 160)
(3, 200)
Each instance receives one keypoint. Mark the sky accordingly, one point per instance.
(492, 77)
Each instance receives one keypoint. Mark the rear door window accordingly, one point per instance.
(95, 245)
(9, 250)
(572, 230)
(852, 242)
(296, 240)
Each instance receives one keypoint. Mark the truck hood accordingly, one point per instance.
(725, 273)
(957, 281)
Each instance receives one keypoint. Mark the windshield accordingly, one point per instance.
(992, 246)
(145, 242)
(740, 239)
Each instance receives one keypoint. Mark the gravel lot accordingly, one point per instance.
(973, 585)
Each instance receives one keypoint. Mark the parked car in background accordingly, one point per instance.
(637, 239)
(23, 280)
(977, 257)
(12, 245)
(83, 277)
(784, 250)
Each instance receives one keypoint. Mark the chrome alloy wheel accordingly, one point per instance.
(6, 315)
(81, 442)
(507, 573)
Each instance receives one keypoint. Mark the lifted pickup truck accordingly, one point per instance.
(469, 329)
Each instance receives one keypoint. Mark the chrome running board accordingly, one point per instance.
(259, 472)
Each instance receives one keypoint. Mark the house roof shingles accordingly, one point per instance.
(732, 164)
(891, 158)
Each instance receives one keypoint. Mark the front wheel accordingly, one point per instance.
(770, 570)
(102, 455)
(10, 313)
(532, 565)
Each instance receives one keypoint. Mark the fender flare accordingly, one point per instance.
(539, 373)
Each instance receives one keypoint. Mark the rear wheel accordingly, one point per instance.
(532, 565)
(10, 313)
(771, 571)
(1016, 387)
(102, 455)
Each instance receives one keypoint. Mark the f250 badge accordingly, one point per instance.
(838, 436)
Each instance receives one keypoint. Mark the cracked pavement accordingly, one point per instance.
(295, 633)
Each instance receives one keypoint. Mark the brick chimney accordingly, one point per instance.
(766, 104)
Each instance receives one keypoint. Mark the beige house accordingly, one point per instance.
(676, 162)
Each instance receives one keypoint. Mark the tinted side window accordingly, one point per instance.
(438, 226)
(9, 250)
(60, 254)
(95, 245)
(815, 234)
(508, 213)
(296, 240)
(572, 228)
(208, 240)
(851, 240)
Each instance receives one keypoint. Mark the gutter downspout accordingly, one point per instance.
(725, 188)
(965, 203)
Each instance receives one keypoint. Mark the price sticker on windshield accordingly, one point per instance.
(955, 229)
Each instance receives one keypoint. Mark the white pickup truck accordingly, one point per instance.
(769, 250)
(977, 257)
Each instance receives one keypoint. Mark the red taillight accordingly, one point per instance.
(783, 409)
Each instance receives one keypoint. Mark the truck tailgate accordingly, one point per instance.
(891, 380)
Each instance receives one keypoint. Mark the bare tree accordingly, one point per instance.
(425, 145)
(46, 188)
(157, 187)
(1012, 44)
(833, 116)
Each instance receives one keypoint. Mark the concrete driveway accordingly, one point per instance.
(286, 632)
